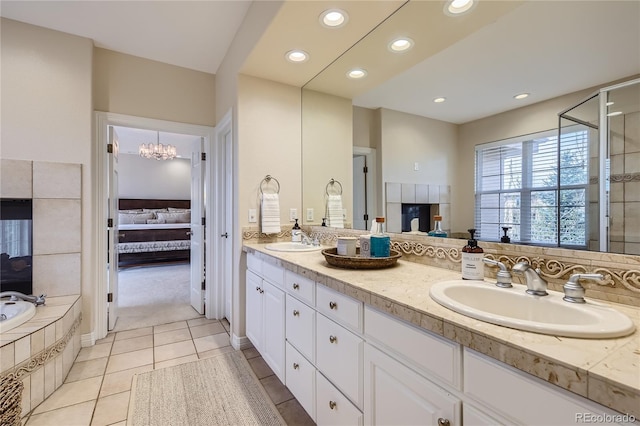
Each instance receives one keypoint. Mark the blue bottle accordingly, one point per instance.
(437, 228)
(380, 242)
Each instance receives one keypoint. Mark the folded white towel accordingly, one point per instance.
(334, 210)
(270, 213)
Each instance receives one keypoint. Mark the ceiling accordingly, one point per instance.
(546, 48)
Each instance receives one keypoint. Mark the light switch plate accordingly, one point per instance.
(253, 216)
(310, 214)
(293, 214)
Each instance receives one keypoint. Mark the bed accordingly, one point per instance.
(153, 230)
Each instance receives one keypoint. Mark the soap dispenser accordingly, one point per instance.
(296, 233)
(472, 255)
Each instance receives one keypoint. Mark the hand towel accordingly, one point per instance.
(270, 213)
(335, 213)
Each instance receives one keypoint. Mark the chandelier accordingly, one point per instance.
(157, 151)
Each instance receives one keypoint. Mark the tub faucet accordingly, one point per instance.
(14, 295)
(536, 285)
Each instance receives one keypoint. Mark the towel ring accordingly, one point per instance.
(331, 183)
(268, 179)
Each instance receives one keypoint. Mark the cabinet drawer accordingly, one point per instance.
(339, 307)
(301, 327)
(254, 263)
(301, 380)
(502, 388)
(273, 273)
(301, 287)
(332, 408)
(424, 350)
(339, 357)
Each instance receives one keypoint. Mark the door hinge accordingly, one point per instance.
(366, 216)
(110, 223)
(204, 287)
(110, 148)
(204, 221)
(365, 169)
(203, 155)
(109, 297)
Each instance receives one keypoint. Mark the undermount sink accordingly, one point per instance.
(512, 307)
(291, 246)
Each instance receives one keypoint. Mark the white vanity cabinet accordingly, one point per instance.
(265, 304)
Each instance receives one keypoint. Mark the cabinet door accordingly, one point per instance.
(273, 322)
(254, 310)
(397, 395)
(332, 408)
(301, 380)
(301, 327)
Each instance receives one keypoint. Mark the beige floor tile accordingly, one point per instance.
(109, 338)
(173, 350)
(225, 324)
(293, 413)
(176, 361)
(96, 351)
(133, 344)
(215, 352)
(172, 336)
(70, 394)
(86, 369)
(200, 321)
(207, 330)
(120, 381)
(169, 327)
(208, 343)
(277, 391)
(250, 353)
(134, 333)
(129, 360)
(111, 409)
(260, 367)
(73, 415)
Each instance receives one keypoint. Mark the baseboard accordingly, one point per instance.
(240, 343)
(87, 340)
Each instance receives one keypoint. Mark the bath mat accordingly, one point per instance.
(222, 390)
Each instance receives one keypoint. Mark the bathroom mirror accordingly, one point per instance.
(330, 91)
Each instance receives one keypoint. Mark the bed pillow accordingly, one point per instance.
(155, 221)
(130, 211)
(129, 218)
(154, 210)
(175, 217)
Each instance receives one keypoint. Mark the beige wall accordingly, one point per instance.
(364, 127)
(47, 115)
(327, 152)
(136, 86)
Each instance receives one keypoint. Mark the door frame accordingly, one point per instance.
(372, 179)
(99, 201)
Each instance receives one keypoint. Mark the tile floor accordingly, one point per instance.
(97, 389)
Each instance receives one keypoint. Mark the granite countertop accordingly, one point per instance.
(604, 370)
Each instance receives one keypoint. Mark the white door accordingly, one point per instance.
(197, 228)
(228, 215)
(255, 323)
(273, 319)
(112, 230)
(359, 192)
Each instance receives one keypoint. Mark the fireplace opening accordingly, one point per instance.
(16, 245)
(423, 212)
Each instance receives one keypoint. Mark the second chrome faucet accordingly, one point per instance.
(536, 285)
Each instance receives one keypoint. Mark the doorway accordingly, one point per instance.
(211, 195)
(364, 193)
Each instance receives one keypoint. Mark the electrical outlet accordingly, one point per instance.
(293, 214)
(310, 215)
(416, 167)
(253, 216)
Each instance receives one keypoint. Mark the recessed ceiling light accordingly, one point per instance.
(613, 114)
(439, 100)
(357, 73)
(521, 96)
(457, 7)
(297, 56)
(400, 45)
(334, 18)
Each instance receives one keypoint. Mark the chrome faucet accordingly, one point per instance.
(306, 239)
(536, 285)
(573, 290)
(504, 276)
(14, 295)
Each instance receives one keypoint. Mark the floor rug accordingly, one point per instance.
(222, 390)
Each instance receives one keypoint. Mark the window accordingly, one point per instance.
(535, 186)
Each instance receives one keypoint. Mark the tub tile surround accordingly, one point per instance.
(604, 370)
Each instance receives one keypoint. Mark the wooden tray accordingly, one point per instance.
(358, 262)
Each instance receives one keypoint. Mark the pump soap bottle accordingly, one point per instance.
(296, 233)
(472, 263)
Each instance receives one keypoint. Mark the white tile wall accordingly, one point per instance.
(16, 179)
(56, 226)
(57, 274)
(56, 180)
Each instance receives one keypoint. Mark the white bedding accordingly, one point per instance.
(152, 246)
(134, 226)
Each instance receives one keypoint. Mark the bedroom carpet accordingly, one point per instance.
(221, 390)
(153, 295)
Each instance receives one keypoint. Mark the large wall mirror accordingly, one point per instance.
(478, 62)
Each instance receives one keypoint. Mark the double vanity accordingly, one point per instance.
(374, 347)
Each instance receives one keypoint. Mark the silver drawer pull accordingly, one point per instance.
(257, 288)
(296, 313)
(296, 286)
(443, 422)
(333, 339)
(295, 366)
(333, 305)
(332, 405)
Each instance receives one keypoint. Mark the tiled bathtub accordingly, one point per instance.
(41, 351)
